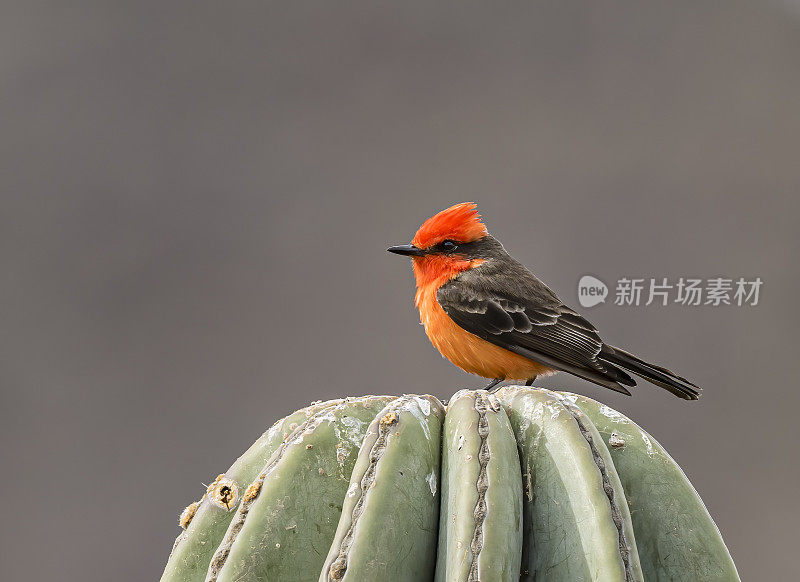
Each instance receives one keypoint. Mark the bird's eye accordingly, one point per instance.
(448, 246)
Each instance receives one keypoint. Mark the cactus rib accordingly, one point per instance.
(616, 515)
(224, 550)
(676, 537)
(576, 520)
(385, 422)
(480, 525)
(204, 527)
(395, 475)
(293, 504)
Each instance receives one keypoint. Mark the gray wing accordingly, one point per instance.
(525, 317)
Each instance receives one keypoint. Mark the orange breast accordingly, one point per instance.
(468, 351)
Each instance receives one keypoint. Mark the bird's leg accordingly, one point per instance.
(492, 384)
(529, 382)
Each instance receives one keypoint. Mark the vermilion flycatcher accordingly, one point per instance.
(490, 316)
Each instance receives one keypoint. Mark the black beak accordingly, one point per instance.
(408, 250)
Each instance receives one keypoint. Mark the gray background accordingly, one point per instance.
(196, 200)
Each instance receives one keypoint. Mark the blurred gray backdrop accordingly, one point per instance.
(196, 199)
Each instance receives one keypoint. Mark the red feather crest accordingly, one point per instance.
(460, 223)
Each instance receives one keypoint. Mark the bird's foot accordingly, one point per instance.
(491, 386)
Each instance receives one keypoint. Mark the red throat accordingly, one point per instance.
(433, 271)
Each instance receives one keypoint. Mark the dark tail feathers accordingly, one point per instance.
(680, 387)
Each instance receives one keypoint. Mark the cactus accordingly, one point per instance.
(480, 536)
(676, 538)
(524, 484)
(577, 523)
(400, 453)
(205, 522)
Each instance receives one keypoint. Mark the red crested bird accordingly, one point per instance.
(490, 316)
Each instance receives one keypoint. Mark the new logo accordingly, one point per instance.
(591, 291)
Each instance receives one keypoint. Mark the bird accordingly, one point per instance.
(490, 316)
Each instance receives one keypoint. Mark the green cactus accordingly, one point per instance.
(676, 538)
(400, 453)
(291, 509)
(523, 484)
(577, 523)
(480, 532)
(206, 521)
